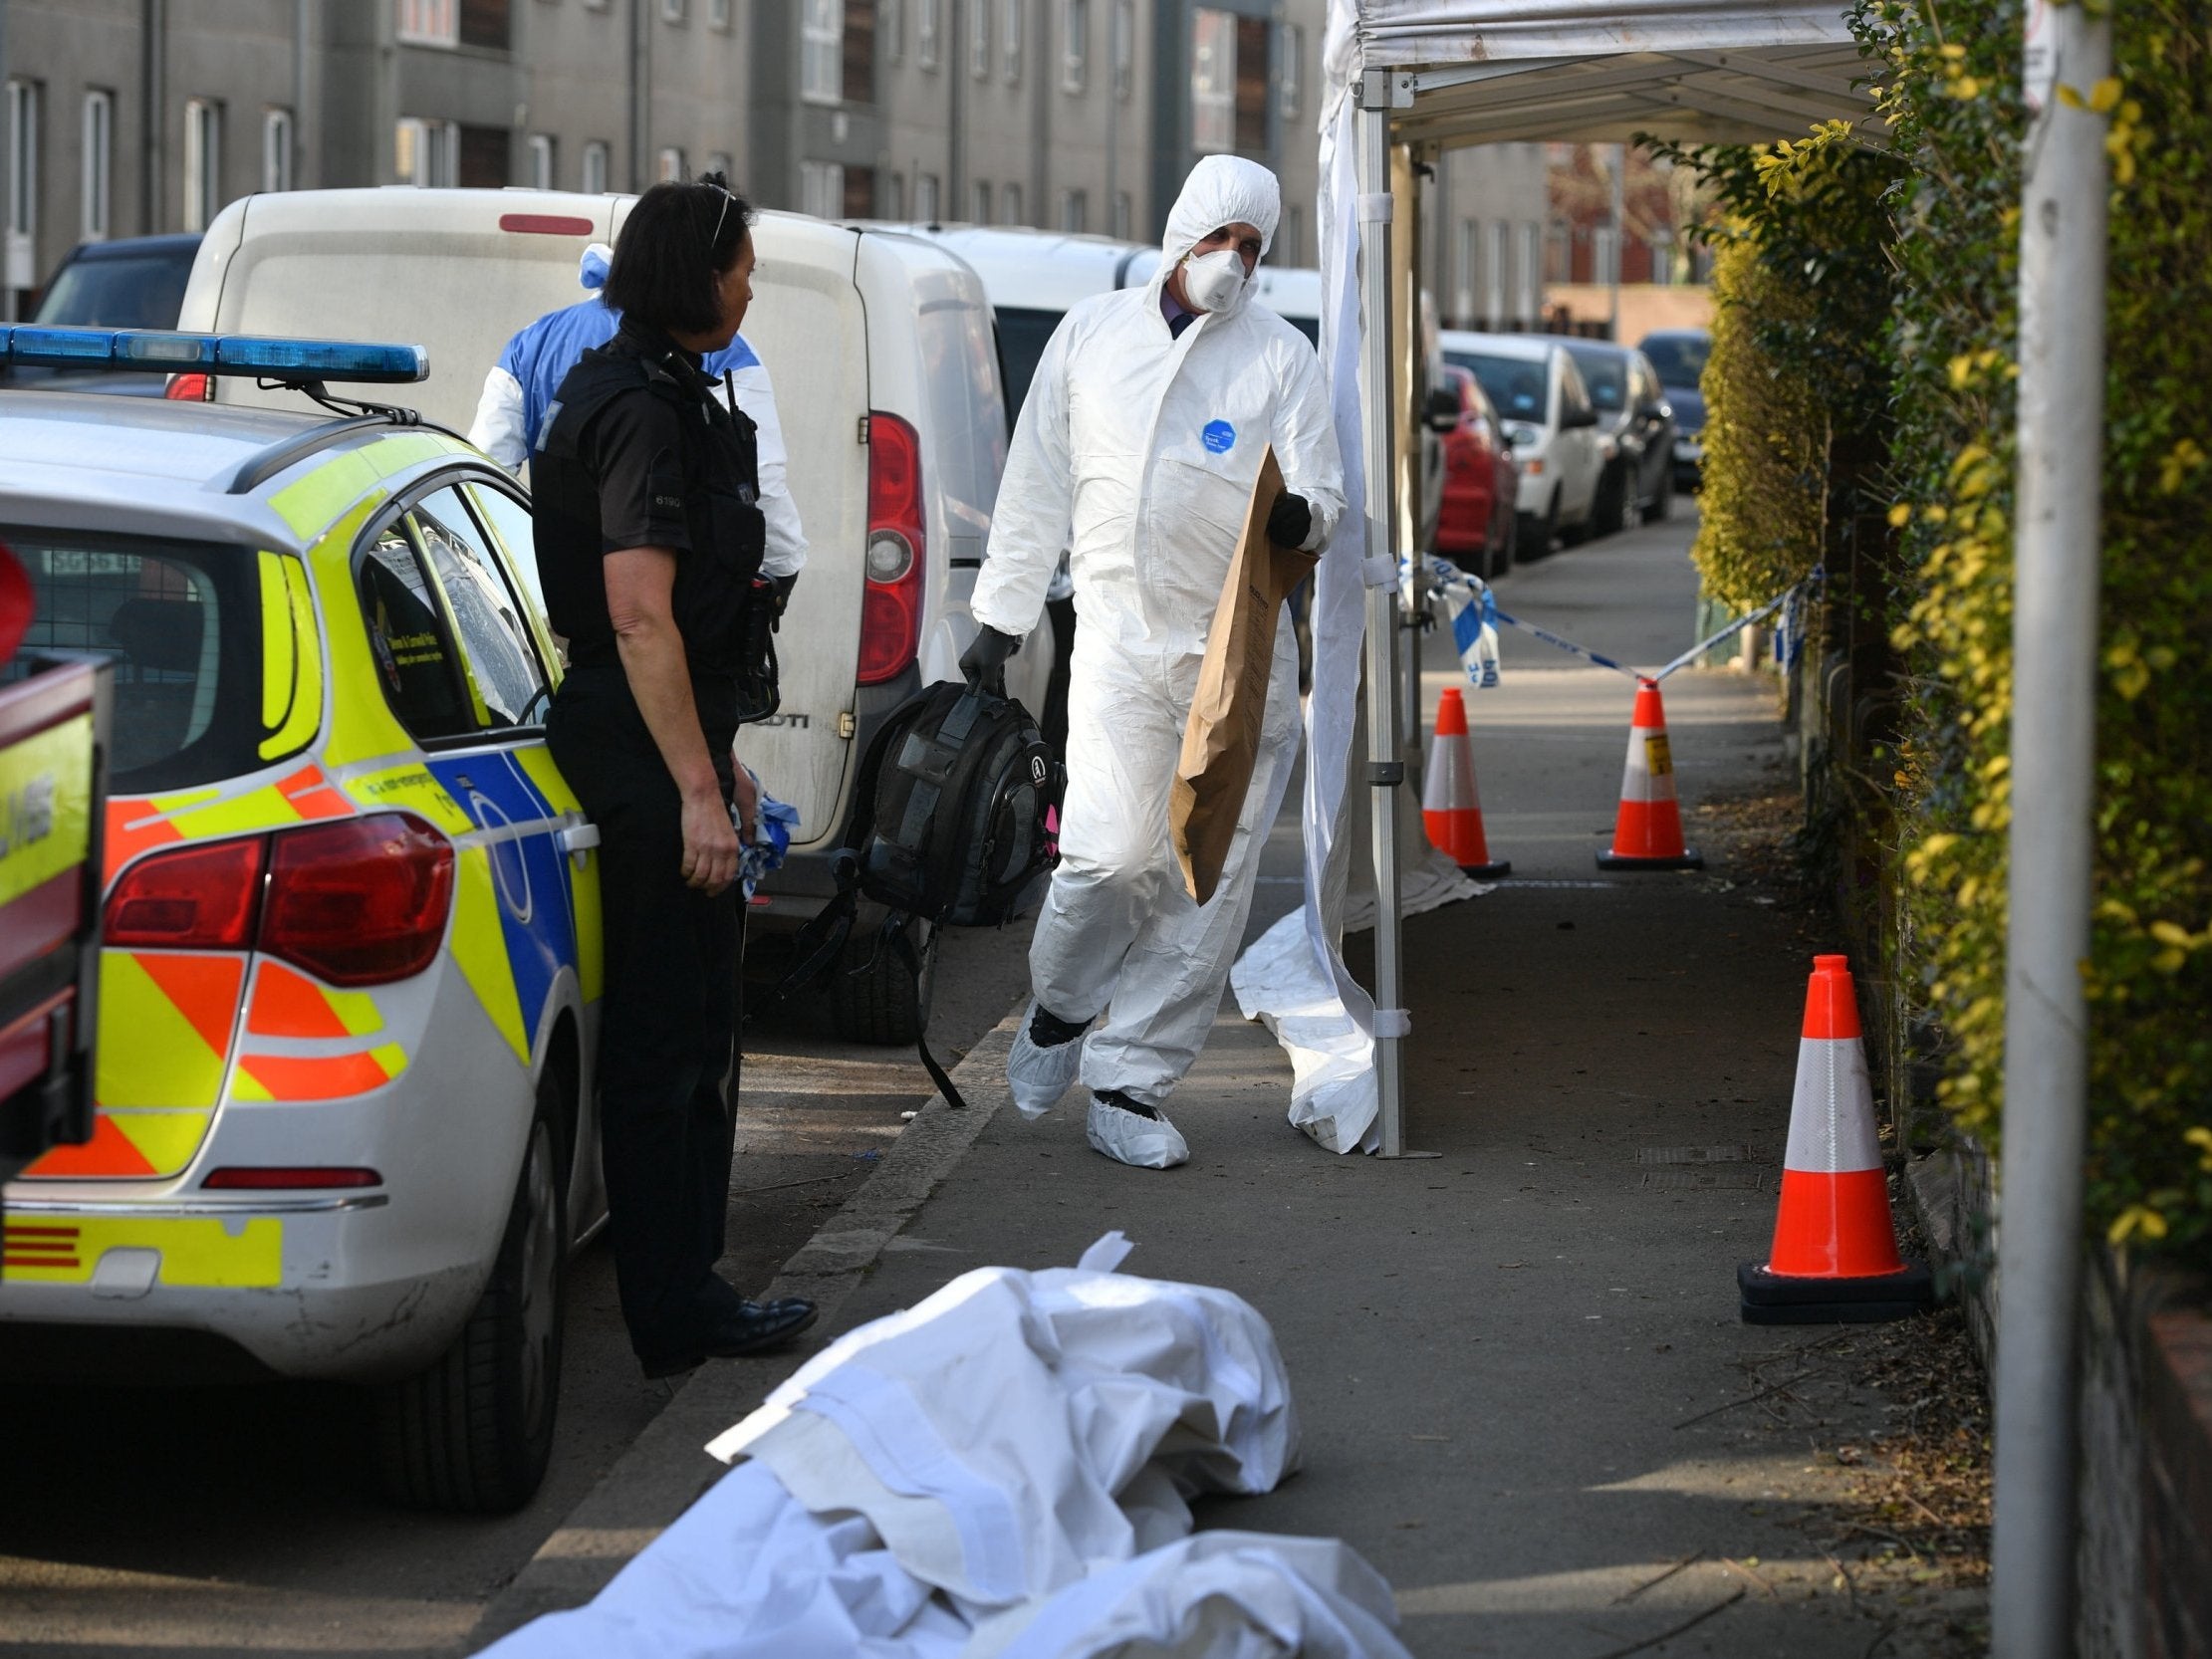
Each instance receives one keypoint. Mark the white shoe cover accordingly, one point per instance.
(1037, 1076)
(1134, 1139)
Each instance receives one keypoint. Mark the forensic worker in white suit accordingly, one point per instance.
(1138, 451)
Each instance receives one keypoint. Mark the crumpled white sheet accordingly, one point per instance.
(1002, 1469)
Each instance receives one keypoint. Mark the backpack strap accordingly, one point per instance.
(894, 934)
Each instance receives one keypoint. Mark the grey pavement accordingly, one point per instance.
(1526, 1395)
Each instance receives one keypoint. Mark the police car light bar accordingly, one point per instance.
(170, 352)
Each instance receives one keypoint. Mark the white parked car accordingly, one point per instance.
(888, 389)
(1553, 426)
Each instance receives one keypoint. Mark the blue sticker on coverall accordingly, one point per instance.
(1220, 436)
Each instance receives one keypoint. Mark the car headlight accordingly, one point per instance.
(1524, 436)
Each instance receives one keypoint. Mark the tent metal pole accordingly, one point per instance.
(2061, 426)
(1385, 764)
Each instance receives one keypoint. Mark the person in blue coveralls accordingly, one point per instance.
(1137, 451)
(511, 415)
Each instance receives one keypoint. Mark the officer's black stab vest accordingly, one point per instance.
(718, 480)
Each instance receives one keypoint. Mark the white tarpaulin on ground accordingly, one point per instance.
(1470, 72)
(1001, 1472)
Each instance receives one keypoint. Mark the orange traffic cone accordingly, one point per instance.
(1835, 1259)
(1449, 807)
(1647, 834)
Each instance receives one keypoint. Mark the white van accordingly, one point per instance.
(1551, 424)
(880, 345)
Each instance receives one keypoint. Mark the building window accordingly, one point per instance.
(1075, 45)
(1293, 82)
(1530, 302)
(822, 188)
(1494, 312)
(671, 11)
(891, 28)
(1010, 205)
(926, 31)
(23, 184)
(719, 15)
(821, 52)
(668, 165)
(1213, 80)
(1124, 46)
(719, 161)
(429, 22)
(593, 180)
(1075, 212)
(979, 39)
(925, 195)
(98, 163)
(1010, 40)
(276, 149)
(1463, 273)
(1662, 259)
(1290, 246)
(1124, 214)
(540, 162)
(894, 197)
(204, 161)
(426, 153)
(980, 194)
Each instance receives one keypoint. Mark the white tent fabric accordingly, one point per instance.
(1003, 1469)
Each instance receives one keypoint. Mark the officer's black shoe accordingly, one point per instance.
(755, 1327)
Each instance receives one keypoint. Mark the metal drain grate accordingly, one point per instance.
(1696, 1155)
(1740, 1177)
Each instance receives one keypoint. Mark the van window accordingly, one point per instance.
(967, 410)
(1023, 333)
(508, 684)
(1574, 395)
(408, 636)
(1515, 384)
(180, 620)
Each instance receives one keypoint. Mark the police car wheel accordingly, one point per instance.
(474, 1432)
(881, 1003)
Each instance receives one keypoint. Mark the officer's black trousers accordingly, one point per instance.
(668, 1060)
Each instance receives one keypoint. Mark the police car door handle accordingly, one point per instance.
(578, 840)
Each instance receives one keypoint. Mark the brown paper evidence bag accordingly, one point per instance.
(1221, 740)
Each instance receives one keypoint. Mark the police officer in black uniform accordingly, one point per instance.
(650, 543)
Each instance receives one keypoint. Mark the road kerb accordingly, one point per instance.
(664, 1471)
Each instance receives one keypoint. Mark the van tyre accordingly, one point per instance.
(1661, 505)
(1533, 536)
(474, 1432)
(1610, 514)
(881, 1003)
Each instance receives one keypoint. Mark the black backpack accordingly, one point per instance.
(949, 828)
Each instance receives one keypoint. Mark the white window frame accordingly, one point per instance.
(1123, 48)
(890, 30)
(671, 11)
(1010, 40)
(894, 207)
(544, 153)
(719, 15)
(1074, 211)
(426, 153)
(1531, 297)
(719, 162)
(1011, 208)
(204, 161)
(1124, 215)
(1494, 308)
(821, 52)
(429, 22)
(668, 164)
(595, 167)
(821, 189)
(1075, 45)
(20, 256)
(929, 202)
(1468, 248)
(979, 39)
(1290, 247)
(979, 201)
(1292, 74)
(97, 171)
(1213, 80)
(276, 148)
(1604, 253)
(928, 32)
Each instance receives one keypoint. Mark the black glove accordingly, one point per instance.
(984, 662)
(1290, 521)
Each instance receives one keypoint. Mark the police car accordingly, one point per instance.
(350, 976)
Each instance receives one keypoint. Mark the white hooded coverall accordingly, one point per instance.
(1138, 452)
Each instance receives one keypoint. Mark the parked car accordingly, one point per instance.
(888, 387)
(1678, 355)
(349, 986)
(1552, 425)
(1637, 429)
(134, 283)
(1480, 478)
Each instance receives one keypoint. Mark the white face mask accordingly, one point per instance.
(1213, 281)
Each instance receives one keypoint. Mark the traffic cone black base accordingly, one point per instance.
(1688, 859)
(1488, 873)
(1780, 1299)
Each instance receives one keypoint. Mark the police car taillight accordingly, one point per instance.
(890, 600)
(360, 900)
(354, 902)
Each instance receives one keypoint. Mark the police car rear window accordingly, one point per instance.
(180, 622)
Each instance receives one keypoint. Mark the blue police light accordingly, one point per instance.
(165, 351)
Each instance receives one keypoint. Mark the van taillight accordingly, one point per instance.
(360, 900)
(187, 389)
(195, 898)
(354, 902)
(891, 601)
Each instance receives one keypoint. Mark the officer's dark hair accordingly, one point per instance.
(678, 239)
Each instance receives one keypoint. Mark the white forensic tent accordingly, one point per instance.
(1412, 74)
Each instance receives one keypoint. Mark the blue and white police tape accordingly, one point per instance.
(1787, 597)
(772, 828)
(1474, 619)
